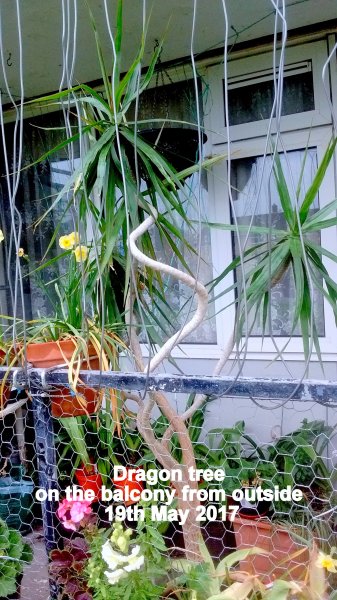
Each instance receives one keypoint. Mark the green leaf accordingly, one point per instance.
(320, 215)
(319, 176)
(104, 106)
(237, 556)
(248, 255)
(299, 275)
(58, 148)
(236, 591)
(306, 318)
(56, 96)
(75, 431)
(27, 553)
(182, 565)
(7, 586)
(206, 555)
(247, 228)
(281, 589)
(16, 543)
(283, 191)
(105, 78)
(117, 50)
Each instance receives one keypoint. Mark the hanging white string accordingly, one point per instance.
(13, 177)
(229, 162)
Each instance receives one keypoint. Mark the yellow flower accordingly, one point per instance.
(81, 253)
(21, 252)
(74, 238)
(66, 242)
(2, 237)
(325, 561)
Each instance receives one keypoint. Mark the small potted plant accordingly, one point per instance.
(109, 563)
(298, 463)
(68, 336)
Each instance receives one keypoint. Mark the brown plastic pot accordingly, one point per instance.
(275, 540)
(63, 402)
(50, 354)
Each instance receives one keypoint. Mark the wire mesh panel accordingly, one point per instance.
(251, 487)
(177, 215)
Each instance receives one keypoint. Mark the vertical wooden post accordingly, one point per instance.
(46, 464)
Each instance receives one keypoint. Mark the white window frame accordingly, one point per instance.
(248, 140)
(314, 53)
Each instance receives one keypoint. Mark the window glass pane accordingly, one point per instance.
(176, 102)
(38, 186)
(254, 102)
(172, 102)
(255, 193)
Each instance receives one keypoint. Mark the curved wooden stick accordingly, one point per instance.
(191, 282)
(11, 408)
(191, 528)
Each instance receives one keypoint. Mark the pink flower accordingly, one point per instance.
(72, 512)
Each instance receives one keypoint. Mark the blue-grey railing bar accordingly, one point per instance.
(320, 391)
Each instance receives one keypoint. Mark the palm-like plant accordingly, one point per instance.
(106, 187)
(291, 249)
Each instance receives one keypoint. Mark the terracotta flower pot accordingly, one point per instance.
(65, 403)
(128, 483)
(249, 510)
(277, 541)
(88, 479)
(50, 354)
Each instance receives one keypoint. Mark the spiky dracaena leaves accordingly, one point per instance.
(263, 265)
(106, 190)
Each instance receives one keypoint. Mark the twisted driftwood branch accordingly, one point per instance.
(191, 282)
(160, 449)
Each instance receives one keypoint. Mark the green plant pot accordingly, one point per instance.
(16, 499)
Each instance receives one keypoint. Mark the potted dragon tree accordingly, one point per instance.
(88, 317)
(122, 180)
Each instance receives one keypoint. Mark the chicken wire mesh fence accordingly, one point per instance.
(175, 207)
(269, 488)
